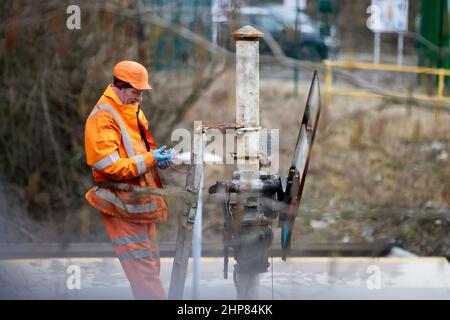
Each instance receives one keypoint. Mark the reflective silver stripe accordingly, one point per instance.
(130, 208)
(110, 197)
(106, 161)
(93, 112)
(140, 164)
(125, 136)
(140, 208)
(136, 238)
(135, 254)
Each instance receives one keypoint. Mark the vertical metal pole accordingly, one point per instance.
(297, 47)
(247, 100)
(328, 84)
(376, 48)
(400, 49)
(247, 113)
(399, 76)
(336, 26)
(215, 33)
(376, 54)
(197, 244)
(185, 230)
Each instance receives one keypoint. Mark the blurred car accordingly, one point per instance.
(280, 23)
(325, 31)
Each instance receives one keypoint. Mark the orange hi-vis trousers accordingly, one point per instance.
(137, 249)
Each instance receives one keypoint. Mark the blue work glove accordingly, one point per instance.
(161, 154)
(163, 157)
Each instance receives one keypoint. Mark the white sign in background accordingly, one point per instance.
(220, 10)
(388, 16)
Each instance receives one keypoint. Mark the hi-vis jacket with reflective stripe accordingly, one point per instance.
(116, 152)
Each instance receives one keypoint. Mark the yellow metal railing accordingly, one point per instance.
(330, 90)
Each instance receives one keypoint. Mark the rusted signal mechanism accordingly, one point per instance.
(254, 197)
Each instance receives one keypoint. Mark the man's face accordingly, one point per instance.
(130, 95)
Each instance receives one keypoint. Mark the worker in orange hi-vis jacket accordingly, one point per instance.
(122, 154)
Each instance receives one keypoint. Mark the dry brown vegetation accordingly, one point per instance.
(51, 77)
(378, 170)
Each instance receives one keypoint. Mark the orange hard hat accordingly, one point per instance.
(132, 72)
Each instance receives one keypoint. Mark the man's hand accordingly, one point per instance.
(163, 157)
(161, 154)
